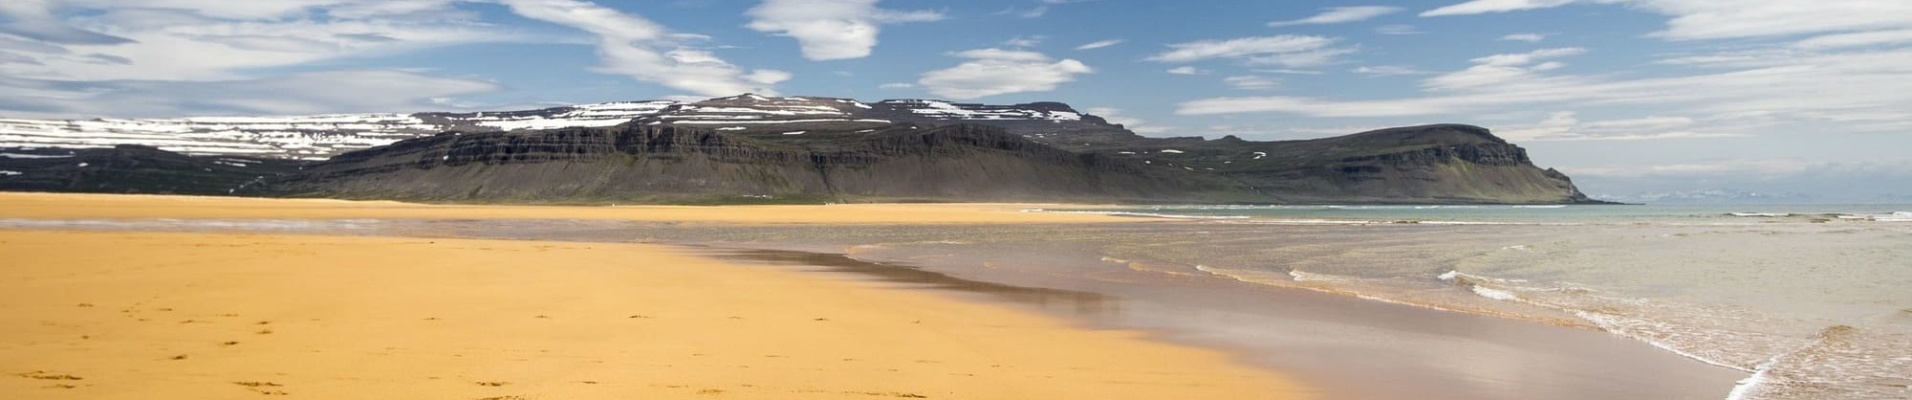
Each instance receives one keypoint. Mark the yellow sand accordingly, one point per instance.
(72, 206)
(135, 315)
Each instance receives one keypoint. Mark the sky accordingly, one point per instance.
(1627, 96)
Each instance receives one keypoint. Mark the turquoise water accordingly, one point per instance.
(1545, 214)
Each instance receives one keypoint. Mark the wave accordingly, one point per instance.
(1759, 214)
(1779, 360)
(1139, 214)
(1495, 294)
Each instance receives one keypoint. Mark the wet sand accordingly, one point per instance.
(1345, 347)
(143, 315)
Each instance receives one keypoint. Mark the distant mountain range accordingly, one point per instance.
(758, 148)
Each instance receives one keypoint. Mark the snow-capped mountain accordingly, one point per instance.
(319, 137)
(750, 145)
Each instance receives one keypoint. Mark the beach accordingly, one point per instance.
(899, 300)
(141, 315)
(106, 206)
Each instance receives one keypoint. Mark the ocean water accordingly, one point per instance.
(1811, 302)
(1519, 214)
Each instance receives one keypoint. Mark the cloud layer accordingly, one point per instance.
(831, 29)
(1340, 15)
(990, 72)
(56, 52)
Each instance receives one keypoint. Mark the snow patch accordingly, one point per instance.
(32, 156)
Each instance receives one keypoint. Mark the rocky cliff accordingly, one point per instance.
(132, 169)
(679, 164)
(816, 149)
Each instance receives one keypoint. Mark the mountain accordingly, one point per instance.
(815, 148)
(315, 137)
(133, 169)
(640, 163)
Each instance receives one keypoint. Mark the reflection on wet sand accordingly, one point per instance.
(1083, 304)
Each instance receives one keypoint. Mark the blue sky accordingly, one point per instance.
(1626, 95)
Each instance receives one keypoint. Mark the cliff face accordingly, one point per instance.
(665, 163)
(132, 169)
(1424, 164)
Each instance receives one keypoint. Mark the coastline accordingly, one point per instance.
(113, 206)
(1333, 367)
(215, 315)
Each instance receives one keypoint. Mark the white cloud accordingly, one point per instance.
(1340, 15)
(1303, 59)
(897, 85)
(45, 45)
(1714, 19)
(1524, 37)
(1501, 68)
(1398, 30)
(1860, 39)
(1116, 116)
(1768, 168)
(630, 45)
(995, 71)
(831, 29)
(1493, 6)
(297, 94)
(1566, 126)
(1099, 44)
(154, 57)
(1387, 70)
(1251, 82)
(1025, 41)
(147, 38)
(1850, 92)
(1186, 70)
(1704, 19)
(1040, 9)
(1284, 50)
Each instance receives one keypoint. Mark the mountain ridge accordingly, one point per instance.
(833, 148)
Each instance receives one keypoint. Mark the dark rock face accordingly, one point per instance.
(665, 163)
(132, 169)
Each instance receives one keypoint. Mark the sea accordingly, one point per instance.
(1796, 301)
(1810, 301)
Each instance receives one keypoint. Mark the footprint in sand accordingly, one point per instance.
(265, 388)
(43, 375)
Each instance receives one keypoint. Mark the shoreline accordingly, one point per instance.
(1159, 328)
(1270, 327)
(216, 315)
(112, 206)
